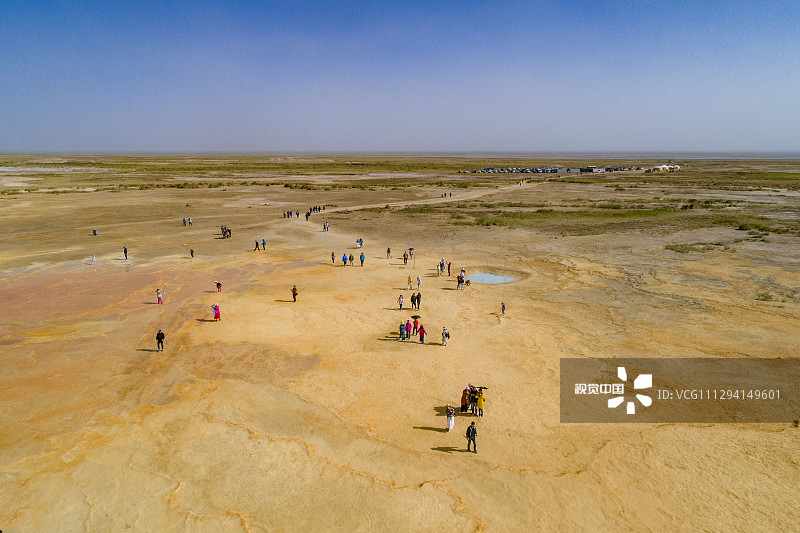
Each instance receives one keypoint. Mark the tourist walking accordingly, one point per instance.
(422, 333)
(416, 326)
(405, 258)
(191, 252)
(419, 299)
(294, 293)
(464, 400)
(400, 302)
(160, 296)
(448, 269)
(125, 251)
(445, 336)
(344, 260)
(362, 257)
(410, 282)
(219, 286)
(402, 331)
(472, 432)
(215, 308)
(419, 281)
(408, 329)
(257, 247)
(351, 259)
(503, 308)
(160, 341)
(333, 258)
(190, 221)
(480, 402)
(388, 253)
(264, 245)
(451, 418)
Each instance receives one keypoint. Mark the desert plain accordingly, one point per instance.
(312, 415)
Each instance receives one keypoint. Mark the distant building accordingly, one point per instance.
(665, 168)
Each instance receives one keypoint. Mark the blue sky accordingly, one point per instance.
(399, 76)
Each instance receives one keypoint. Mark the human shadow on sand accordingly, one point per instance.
(146, 350)
(206, 320)
(285, 301)
(449, 449)
(428, 428)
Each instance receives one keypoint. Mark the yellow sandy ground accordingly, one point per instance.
(312, 416)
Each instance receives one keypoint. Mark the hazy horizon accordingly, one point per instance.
(622, 155)
(410, 77)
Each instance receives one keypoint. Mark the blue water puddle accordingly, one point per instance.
(489, 279)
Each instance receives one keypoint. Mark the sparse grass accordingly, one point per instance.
(699, 247)
(421, 209)
(555, 213)
(552, 217)
(761, 229)
(620, 217)
(504, 204)
(771, 176)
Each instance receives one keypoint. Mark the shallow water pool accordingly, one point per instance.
(490, 279)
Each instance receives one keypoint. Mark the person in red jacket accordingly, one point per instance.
(464, 400)
(422, 333)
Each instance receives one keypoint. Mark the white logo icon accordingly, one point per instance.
(642, 381)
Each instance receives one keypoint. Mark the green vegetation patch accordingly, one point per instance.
(776, 176)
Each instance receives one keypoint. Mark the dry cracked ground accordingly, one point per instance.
(313, 416)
